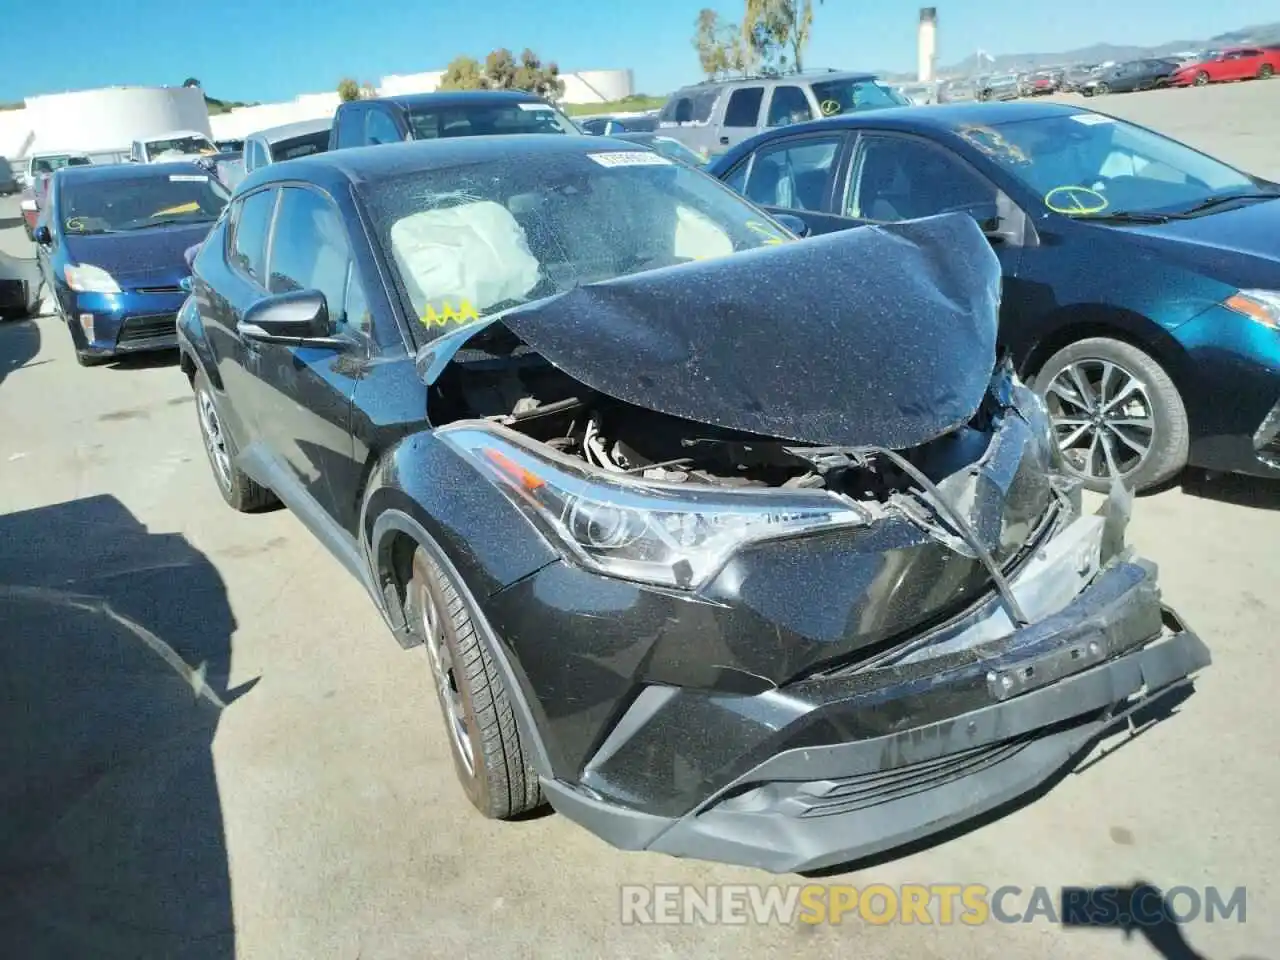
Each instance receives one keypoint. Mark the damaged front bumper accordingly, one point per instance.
(847, 765)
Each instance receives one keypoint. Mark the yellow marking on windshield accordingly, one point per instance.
(192, 207)
(1075, 201)
(771, 236)
(830, 107)
(448, 314)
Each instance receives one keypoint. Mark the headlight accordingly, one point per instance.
(670, 534)
(86, 278)
(1260, 305)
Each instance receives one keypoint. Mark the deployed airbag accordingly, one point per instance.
(473, 254)
(877, 335)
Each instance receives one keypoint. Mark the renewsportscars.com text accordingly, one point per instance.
(935, 903)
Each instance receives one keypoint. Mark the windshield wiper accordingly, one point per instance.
(168, 221)
(1217, 201)
(1129, 216)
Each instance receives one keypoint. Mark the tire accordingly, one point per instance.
(1102, 89)
(240, 491)
(1202, 79)
(1168, 439)
(1266, 71)
(484, 741)
(87, 360)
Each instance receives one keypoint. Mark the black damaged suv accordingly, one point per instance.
(729, 546)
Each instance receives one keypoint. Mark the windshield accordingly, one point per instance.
(469, 241)
(489, 118)
(180, 147)
(847, 96)
(302, 146)
(50, 164)
(136, 203)
(1087, 164)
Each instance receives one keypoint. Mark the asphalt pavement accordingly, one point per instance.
(212, 747)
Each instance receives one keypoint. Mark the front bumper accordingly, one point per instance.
(124, 323)
(857, 764)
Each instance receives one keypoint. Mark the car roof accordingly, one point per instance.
(128, 171)
(296, 129)
(360, 165)
(790, 79)
(944, 116)
(152, 138)
(455, 98)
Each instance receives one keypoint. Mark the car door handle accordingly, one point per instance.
(724, 141)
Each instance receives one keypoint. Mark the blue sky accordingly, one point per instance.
(275, 49)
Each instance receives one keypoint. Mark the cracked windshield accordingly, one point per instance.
(769, 478)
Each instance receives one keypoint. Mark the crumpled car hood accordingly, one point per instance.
(881, 335)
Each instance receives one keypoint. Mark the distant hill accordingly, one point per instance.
(1102, 52)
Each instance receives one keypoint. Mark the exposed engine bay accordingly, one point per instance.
(527, 394)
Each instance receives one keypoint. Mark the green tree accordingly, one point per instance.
(348, 90)
(500, 68)
(777, 31)
(721, 46)
(538, 78)
(191, 82)
(464, 73)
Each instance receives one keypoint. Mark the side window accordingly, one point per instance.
(247, 240)
(310, 249)
(898, 178)
(737, 179)
(743, 109)
(788, 105)
(350, 126)
(356, 315)
(380, 128)
(795, 173)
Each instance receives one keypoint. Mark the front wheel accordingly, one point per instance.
(1202, 79)
(1265, 71)
(1116, 414)
(1102, 89)
(485, 743)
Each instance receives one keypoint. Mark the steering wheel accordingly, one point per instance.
(1074, 201)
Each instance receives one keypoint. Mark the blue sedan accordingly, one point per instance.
(111, 249)
(1141, 286)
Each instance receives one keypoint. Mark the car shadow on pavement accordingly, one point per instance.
(1234, 488)
(1161, 707)
(19, 345)
(9, 223)
(113, 677)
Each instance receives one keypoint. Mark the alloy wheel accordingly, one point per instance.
(1103, 418)
(214, 441)
(443, 670)
(1202, 79)
(1103, 89)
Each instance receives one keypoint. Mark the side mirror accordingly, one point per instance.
(300, 316)
(793, 223)
(43, 236)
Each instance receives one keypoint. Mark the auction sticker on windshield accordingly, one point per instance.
(630, 158)
(187, 178)
(534, 106)
(1092, 119)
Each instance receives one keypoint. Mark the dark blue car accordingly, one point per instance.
(111, 249)
(1141, 277)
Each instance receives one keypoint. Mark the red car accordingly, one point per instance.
(1238, 63)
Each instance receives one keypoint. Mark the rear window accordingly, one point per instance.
(488, 119)
(690, 106)
(302, 146)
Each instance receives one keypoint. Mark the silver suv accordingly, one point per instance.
(712, 116)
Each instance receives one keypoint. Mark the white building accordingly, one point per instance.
(107, 120)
